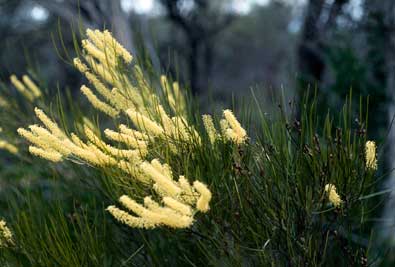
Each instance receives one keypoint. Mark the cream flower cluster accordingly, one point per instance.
(103, 55)
(6, 238)
(27, 88)
(102, 62)
(51, 143)
(173, 95)
(30, 91)
(115, 92)
(179, 201)
(231, 128)
(370, 155)
(333, 196)
(5, 145)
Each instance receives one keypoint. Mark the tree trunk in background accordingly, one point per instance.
(314, 37)
(200, 26)
(334, 12)
(310, 61)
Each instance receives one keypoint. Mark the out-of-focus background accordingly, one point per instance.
(221, 49)
(218, 48)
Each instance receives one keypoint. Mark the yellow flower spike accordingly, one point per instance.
(130, 154)
(122, 102)
(235, 125)
(32, 86)
(370, 155)
(233, 122)
(174, 97)
(144, 123)
(151, 204)
(210, 128)
(77, 141)
(129, 220)
(189, 194)
(100, 87)
(32, 138)
(205, 196)
(119, 49)
(179, 98)
(21, 88)
(154, 206)
(132, 93)
(6, 237)
(101, 70)
(166, 122)
(176, 89)
(164, 183)
(136, 134)
(17, 83)
(81, 67)
(96, 37)
(183, 131)
(133, 170)
(162, 168)
(129, 140)
(52, 126)
(87, 122)
(132, 205)
(102, 158)
(93, 137)
(141, 81)
(50, 139)
(138, 209)
(103, 58)
(164, 83)
(9, 147)
(224, 124)
(231, 135)
(50, 155)
(84, 153)
(333, 196)
(98, 104)
(172, 218)
(177, 206)
(160, 216)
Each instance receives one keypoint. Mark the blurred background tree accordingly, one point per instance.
(201, 22)
(224, 46)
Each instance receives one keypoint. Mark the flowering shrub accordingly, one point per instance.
(203, 190)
